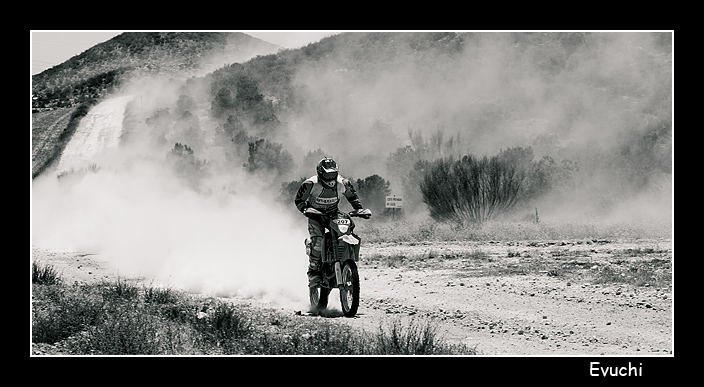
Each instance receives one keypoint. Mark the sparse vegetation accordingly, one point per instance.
(120, 318)
(577, 261)
(413, 338)
(44, 274)
(643, 272)
(419, 230)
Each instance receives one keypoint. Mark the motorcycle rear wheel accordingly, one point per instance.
(318, 297)
(349, 291)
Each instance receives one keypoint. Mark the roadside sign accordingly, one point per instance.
(394, 202)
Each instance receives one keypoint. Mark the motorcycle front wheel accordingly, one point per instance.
(349, 291)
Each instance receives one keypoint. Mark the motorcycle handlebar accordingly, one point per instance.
(365, 214)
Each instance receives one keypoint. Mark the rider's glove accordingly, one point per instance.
(366, 214)
(311, 211)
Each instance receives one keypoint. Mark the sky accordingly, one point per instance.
(50, 48)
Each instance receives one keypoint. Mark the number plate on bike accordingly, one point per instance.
(341, 221)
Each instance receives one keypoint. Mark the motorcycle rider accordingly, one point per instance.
(322, 194)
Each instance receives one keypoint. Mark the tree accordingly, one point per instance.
(410, 183)
(186, 165)
(185, 103)
(310, 161)
(373, 191)
(248, 95)
(222, 103)
(268, 157)
(288, 190)
(546, 176)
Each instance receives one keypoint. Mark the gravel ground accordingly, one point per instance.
(506, 299)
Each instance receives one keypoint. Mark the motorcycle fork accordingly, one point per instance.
(338, 274)
(338, 265)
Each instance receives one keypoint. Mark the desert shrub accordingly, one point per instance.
(121, 289)
(161, 296)
(471, 190)
(223, 325)
(45, 274)
(414, 338)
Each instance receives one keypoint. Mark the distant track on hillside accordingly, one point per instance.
(96, 133)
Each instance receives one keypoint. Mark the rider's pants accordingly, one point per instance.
(315, 261)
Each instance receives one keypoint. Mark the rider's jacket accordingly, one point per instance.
(313, 193)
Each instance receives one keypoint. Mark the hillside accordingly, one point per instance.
(46, 129)
(106, 66)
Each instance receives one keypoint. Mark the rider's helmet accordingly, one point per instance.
(327, 171)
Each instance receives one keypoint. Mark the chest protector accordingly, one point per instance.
(323, 197)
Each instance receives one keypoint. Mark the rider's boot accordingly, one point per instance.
(314, 273)
(314, 286)
(315, 263)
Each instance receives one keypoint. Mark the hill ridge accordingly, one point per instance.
(102, 68)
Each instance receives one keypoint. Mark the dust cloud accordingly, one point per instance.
(226, 235)
(592, 100)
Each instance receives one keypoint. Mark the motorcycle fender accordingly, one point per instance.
(349, 239)
(350, 251)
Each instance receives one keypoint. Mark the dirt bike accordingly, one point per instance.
(340, 252)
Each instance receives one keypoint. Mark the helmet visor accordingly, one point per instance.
(329, 176)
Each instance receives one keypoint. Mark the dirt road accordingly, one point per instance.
(543, 312)
(508, 298)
